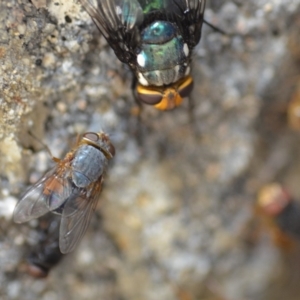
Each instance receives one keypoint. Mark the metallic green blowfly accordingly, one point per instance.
(155, 38)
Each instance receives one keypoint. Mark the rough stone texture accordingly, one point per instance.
(176, 218)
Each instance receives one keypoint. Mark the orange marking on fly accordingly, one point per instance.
(53, 184)
(165, 97)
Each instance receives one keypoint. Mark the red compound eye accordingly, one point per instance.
(185, 87)
(92, 136)
(148, 95)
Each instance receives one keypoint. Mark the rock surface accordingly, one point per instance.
(176, 217)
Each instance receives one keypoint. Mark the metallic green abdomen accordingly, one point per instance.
(164, 56)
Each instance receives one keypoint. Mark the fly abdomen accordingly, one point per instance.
(87, 165)
(164, 55)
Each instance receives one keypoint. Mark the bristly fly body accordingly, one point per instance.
(155, 38)
(71, 189)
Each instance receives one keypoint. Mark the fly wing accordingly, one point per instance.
(76, 215)
(32, 204)
(118, 21)
(190, 18)
(47, 194)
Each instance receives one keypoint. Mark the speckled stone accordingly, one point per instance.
(175, 219)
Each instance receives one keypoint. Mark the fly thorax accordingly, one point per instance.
(88, 165)
(164, 56)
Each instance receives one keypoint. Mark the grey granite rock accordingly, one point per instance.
(175, 219)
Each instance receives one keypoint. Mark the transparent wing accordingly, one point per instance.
(117, 20)
(77, 212)
(48, 194)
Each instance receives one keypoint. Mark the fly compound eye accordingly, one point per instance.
(148, 95)
(91, 137)
(186, 86)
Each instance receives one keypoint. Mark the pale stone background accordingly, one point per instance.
(176, 216)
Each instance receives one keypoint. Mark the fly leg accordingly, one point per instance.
(136, 112)
(55, 159)
(215, 28)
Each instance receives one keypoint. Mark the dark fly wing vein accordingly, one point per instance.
(119, 30)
